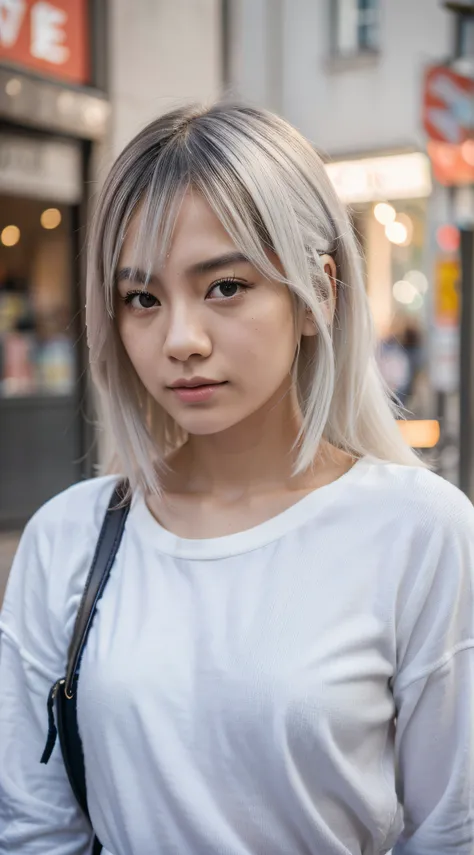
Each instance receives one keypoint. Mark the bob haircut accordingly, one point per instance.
(270, 190)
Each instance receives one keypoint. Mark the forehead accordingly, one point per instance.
(195, 233)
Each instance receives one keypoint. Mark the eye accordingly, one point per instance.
(140, 300)
(225, 289)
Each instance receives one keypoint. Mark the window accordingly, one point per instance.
(465, 36)
(355, 26)
(37, 354)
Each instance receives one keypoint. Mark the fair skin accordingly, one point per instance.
(223, 322)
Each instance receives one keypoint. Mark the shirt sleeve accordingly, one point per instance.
(434, 692)
(38, 811)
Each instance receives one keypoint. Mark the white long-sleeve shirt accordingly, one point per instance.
(238, 694)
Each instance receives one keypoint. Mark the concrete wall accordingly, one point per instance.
(256, 51)
(162, 53)
(343, 106)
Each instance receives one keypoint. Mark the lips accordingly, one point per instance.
(192, 392)
(193, 382)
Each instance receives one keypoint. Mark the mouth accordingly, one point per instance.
(196, 391)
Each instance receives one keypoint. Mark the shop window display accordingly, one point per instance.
(393, 238)
(36, 336)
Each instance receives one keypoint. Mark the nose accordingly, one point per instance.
(186, 336)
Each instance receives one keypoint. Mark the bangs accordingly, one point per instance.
(195, 164)
(155, 204)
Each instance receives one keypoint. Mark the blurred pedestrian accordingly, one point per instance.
(281, 660)
(399, 357)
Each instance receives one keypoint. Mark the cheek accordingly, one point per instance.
(264, 342)
(136, 338)
(274, 330)
(138, 345)
(129, 341)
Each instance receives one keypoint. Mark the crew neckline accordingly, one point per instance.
(249, 539)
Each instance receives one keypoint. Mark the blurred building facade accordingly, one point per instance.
(77, 81)
(349, 74)
(54, 112)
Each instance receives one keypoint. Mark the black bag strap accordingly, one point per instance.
(63, 692)
(104, 556)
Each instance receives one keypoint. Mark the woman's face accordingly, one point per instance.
(212, 340)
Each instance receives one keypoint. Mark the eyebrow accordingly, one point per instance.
(207, 266)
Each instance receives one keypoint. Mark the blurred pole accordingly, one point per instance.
(445, 466)
(466, 385)
(463, 62)
(226, 42)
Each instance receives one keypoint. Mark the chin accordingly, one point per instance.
(207, 424)
(206, 427)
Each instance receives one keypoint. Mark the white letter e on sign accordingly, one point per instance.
(46, 33)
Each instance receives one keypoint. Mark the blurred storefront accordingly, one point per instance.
(53, 111)
(388, 197)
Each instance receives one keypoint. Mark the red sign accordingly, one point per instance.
(50, 37)
(448, 106)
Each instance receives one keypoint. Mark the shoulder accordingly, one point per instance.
(417, 497)
(51, 564)
(67, 526)
(69, 519)
(80, 507)
(426, 528)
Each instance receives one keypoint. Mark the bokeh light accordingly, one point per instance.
(418, 280)
(384, 213)
(448, 238)
(404, 292)
(397, 233)
(13, 87)
(10, 235)
(406, 221)
(50, 218)
(421, 433)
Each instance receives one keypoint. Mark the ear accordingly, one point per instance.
(330, 271)
(328, 308)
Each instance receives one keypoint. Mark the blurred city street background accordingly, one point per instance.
(384, 89)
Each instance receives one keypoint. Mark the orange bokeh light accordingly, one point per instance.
(420, 434)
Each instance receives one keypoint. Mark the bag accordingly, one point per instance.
(63, 694)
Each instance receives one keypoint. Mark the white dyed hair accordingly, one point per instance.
(270, 190)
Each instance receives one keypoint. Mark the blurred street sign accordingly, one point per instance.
(444, 344)
(452, 164)
(371, 179)
(42, 168)
(448, 105)
(446, 307)
(50, 37)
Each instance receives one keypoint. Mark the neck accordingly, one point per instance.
(257, 453)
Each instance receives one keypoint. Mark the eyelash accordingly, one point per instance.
(129, 296)
(229, 280)
(137, 293)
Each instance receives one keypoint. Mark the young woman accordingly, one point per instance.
(282, 659)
